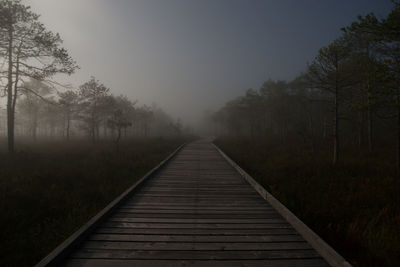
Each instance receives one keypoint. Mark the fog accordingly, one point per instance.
(192, 56)
(304, 96)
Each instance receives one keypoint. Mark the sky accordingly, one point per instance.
(189, 56)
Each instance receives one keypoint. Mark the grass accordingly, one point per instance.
(354, 206)
(49, 189)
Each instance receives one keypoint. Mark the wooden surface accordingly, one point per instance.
(197, 211)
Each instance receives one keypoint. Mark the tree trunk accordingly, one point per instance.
(360, 129)
(68, 125)
(324, 129)
(97, 131)
(311, 127)
(335, 135)
(10, 128)
(336, 116)
(398, 141)
(369, 114)
(34, 126)
(145, 129)
(93, 132)
(119, 135)
(336, 131)
(10, 110)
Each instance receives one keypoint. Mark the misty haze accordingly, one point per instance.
(199, 133)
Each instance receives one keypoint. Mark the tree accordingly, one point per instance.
(68, 102)
(144, 115)
(30, 51)
(93, 99)
(388, 33)
(121, 116)
(363, 41)
(277, 100)
(32, 103)
(329, 71)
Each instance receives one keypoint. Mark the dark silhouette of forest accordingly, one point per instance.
(327, 143)
(348, 94)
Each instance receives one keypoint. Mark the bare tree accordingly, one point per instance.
(30, 51)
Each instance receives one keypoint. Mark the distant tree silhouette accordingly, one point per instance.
(68, 102)
(93, 99)
(121, 115)
(32, 103)
(144, 115)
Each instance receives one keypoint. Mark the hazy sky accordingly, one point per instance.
(191, 55)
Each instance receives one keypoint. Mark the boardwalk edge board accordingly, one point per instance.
(60, 252)
(327, 252)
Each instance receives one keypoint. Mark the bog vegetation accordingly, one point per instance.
(51, 188)
(328, 142)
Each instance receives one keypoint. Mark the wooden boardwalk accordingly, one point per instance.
(196, 211)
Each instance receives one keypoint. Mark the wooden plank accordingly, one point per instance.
(112, 224)
(192, 207)
(156, 187)
(200, 187)
(195, 212)
(198, 255)
(207, 232)
(200, 216)
(202, 263)
(194, 200)
(175, 220)
(199, 192)
(198, 199)
(194, 246)
(196, 238)
(199, 205)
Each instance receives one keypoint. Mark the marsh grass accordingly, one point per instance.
(51, 188)
(354, 206)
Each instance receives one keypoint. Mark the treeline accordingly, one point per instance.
(349, 94)
(90, 111)
(30, 57)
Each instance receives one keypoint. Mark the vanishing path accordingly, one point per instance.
(196, 211)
